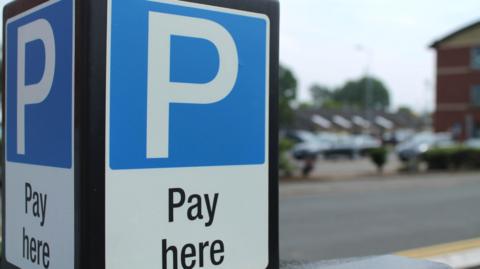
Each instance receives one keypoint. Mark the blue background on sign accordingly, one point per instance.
(198, 67)
(48, 125)
(228, 132)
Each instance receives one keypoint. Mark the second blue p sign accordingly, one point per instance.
(194, 90)
(161, 118)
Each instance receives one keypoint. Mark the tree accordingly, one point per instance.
(405, 110)
(288, 93)
(303, 106)
(321, 95)
(365, 92)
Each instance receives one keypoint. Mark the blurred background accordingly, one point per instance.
(380, 129)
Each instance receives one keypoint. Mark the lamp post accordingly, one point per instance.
(368, 82)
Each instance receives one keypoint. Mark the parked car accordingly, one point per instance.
(398, 136)
(308, 145)
(352, 146)
(421, 143)
(365, 143)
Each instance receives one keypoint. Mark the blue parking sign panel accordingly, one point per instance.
(187, 110)
(39, 77)
(184, 96)
(39, 179)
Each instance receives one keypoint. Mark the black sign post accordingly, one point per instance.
(140, 134)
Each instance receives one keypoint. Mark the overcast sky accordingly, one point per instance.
(320, 40)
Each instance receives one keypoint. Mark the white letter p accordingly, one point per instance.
(34, 93)
(162, 92)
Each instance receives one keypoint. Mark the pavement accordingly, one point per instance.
(382, 262)
(459, 255)
(376, 216)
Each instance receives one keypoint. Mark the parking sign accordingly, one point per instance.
(140, 134)
(187, 136)
(39, 179)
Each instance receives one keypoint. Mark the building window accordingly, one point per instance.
(476, 130)
(476, 58)
(476, 96)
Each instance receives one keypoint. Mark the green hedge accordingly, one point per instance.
(454, 158)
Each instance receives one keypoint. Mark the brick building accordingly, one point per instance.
(458, 83)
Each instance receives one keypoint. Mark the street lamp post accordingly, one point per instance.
(368, 82)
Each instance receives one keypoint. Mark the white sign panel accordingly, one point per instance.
(186, 136)
(39, 175)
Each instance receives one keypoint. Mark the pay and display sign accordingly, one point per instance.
(39, 179)
(148, 141)
(188, 120)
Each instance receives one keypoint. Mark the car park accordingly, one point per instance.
(352, 146)
(308, 145)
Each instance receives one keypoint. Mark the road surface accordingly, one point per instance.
(377, 216)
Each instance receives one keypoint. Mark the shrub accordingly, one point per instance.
(379, 157)
(285, 167)
(457, 158)
(439, 158)
(466, 158)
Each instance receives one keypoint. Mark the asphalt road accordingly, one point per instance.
(376, 216)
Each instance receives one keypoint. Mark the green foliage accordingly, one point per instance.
(365, 91)
(321, 95)
(355, 94)
(405, 110)
(438, 158)
(285, 167)
(452, 158)
(304, 106)
(288, 93)
(379, 157)
(332, 104)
